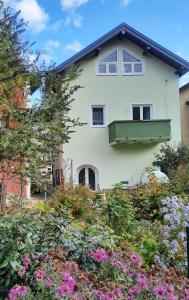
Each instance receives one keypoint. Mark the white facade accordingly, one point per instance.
(155, 87)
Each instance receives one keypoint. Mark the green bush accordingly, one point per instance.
(171, 157)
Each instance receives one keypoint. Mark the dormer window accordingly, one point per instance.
(108, 65)
(131, 64)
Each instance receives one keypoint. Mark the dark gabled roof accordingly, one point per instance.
(184, 86)
(126, 31)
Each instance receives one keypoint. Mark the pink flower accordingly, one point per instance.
(26, 261)
(63, 290)
(159, 291)
(69, 280)
(99, 255)
(136, 259)
(48, 282)
(142, 281)
(39, 275)
(18, 291)
(22, 271)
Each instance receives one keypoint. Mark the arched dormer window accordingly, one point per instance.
(131, 64)
(109, 64)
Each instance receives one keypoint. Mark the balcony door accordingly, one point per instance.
(88, 176)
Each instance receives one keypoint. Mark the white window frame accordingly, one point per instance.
(141, 111)
(132, 73)
(104, 115)
(120, 64)
(108, 63)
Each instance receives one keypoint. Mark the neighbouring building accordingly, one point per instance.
(184, 111)
(130, 102)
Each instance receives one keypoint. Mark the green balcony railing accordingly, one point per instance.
(129, 132)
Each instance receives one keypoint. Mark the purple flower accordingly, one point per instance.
(26, 261)
(48, 282)
(18, 291)
(136, 259)
(64, 290)
(99, 255)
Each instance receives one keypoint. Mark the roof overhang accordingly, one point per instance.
(122, 31)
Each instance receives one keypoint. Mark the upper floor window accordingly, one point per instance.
(120, 61)
(142, 112)
(131, 64)
(98, 116)
(108, 65)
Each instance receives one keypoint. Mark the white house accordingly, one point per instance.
(130, 102)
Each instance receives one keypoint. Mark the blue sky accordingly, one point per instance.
(60, 28)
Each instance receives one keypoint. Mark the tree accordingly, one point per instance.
(171, 157)
(30, 136)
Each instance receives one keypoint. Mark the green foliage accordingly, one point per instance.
(30, 136)
(118, 209)
(145, 238)
(171, 157)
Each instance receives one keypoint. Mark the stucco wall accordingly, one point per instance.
(158, 86)
(184, 110)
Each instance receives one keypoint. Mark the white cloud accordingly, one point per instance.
(32, 13)
(77, 20)
(125, 2)
(76, 46)
(52, 44)
(72, 4)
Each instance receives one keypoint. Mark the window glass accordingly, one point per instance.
(82, 177)
(138, 68)
(127, 68)
(92, 183)
(136, 112)
(102, 68)
(112, 57)
(112, 68)
(146, 113)
(128, 57)
(98, 116)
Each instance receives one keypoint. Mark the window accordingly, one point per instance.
(131, 64)
(108, 65)
(142, 112)
(98, 116)
(118, 60)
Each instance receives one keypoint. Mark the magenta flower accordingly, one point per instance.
(159, 291)
(142, 281)
(64, 290)
(26, 261)
(39, 275)
(22, 271)
(99, 255)
(136, 259)
(18, 291)
(48, 282)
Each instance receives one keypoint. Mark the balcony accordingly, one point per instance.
(129, 132)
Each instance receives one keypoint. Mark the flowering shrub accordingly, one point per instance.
(120, 275)
(176, 217)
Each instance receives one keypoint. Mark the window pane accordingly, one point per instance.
(98, 116)
(146, 113)
(138, 68)
(102, 68)
(112, 68)
(136, 112)
(127, 68)
(92, 183)
(82, 177)
(111, 57)
(129, 58)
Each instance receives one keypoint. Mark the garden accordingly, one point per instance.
(125, 244)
